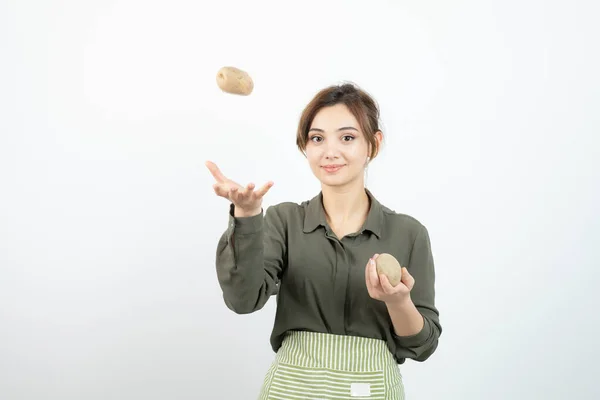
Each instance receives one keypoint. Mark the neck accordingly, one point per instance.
(345, 203)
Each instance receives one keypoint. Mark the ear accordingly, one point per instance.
(379, 140)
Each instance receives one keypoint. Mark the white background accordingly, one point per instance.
(108, 223)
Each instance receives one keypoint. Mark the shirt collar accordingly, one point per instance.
(315, 215)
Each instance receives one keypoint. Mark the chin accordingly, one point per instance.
(335, 181)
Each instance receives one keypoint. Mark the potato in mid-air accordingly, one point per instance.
(235, 81)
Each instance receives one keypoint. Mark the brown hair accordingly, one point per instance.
(361, 105)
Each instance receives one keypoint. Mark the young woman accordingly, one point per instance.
(340, 329)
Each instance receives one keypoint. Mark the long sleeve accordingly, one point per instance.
(422, 345)
(250, 259)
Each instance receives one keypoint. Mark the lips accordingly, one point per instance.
(332, 167)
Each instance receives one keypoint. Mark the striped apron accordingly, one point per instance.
(321, 366)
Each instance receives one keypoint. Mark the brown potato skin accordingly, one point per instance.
(389, 266)
(235, 81)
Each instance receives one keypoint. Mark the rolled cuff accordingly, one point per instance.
(417, 340)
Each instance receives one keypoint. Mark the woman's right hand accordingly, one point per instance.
(247, 201)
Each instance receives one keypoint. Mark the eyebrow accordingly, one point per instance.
(344, 128)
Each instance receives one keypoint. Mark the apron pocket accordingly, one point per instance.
(297, 382)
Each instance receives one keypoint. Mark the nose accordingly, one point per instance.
(331, 151)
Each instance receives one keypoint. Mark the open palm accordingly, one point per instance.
(244, 198)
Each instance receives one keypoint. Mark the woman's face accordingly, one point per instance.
(336, 148)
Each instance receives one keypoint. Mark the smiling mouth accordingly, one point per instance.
(332, 168)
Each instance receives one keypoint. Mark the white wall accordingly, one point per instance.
(108, 223)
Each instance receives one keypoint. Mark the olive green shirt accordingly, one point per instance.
(319, 280)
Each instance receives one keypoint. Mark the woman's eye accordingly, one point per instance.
(348, 138)
(314, 138)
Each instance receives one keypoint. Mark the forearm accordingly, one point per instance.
(406, 319)
(248, 266)
(240, 267)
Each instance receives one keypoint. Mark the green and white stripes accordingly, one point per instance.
(319, 366)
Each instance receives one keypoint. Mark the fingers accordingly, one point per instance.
(264, 189)
(379, 286)
(245, 192)
(386, 285)
(241, 194)
(373, 275)
(407, 279)
(368, 278)
(215, 171)
(221, 190)
(235, 195)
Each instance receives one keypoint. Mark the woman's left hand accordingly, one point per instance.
(380, 288)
